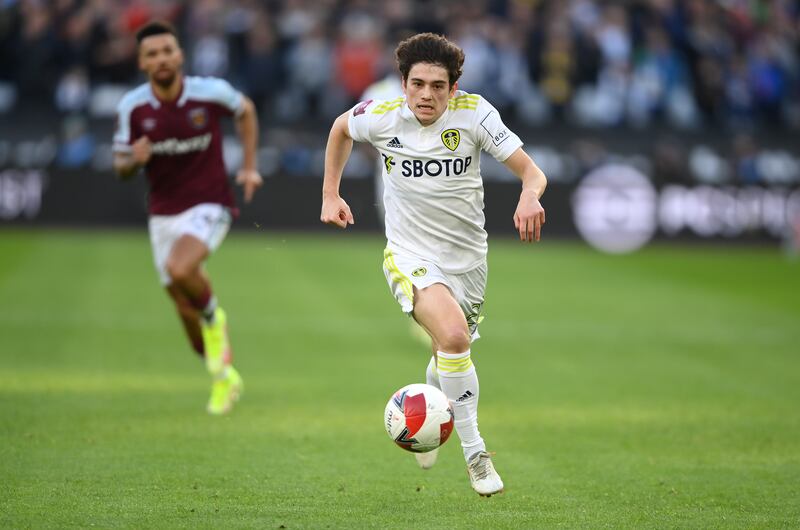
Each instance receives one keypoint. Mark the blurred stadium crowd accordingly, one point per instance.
(682, 63)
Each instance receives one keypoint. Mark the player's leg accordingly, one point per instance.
(199, 231)
(431, 373)
(185, 268)
(180, 245)
(190, 317)
(436, 309)
(165, 231)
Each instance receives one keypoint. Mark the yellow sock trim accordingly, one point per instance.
(454, 365)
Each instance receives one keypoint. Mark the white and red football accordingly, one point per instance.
(419, 418)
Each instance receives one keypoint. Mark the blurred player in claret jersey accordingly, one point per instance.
(170, 126)
(430, 142)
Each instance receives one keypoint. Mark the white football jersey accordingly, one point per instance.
(433, 187)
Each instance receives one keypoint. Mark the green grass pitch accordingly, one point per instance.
(659, 390)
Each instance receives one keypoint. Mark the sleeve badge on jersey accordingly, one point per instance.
(451, 138)
(198, 117)
(498, 137)
(361, 108)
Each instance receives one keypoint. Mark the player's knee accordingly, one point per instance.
(454, 340)
(178, 271)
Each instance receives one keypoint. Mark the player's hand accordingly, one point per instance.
(250, 180)
(336, 212)
(141, 151)
(529, 217)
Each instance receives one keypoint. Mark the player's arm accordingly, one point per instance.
(529, 216)
(247, 128)
(128, 163)
(335, 210)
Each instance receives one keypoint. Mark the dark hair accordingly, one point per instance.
(155, 27)
(433, 49)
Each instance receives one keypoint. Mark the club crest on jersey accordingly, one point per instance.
(422, 271)
(148, 124)
(451, 138)
(198, 117)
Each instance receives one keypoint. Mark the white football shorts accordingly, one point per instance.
(207, 222)
(403, 273)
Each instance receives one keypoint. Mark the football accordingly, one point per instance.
(419, 418)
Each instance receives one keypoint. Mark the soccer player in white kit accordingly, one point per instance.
(435, 258)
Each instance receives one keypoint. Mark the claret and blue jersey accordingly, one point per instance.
(187, 166)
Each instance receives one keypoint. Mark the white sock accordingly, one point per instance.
(431, 376)
(459, 382)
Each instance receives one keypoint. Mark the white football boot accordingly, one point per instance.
(426, 460)
(482, 475)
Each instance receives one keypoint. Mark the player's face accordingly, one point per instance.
(427, 91)
(160, 58)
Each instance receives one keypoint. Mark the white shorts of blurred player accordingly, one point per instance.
(402, 272)
(207, 222)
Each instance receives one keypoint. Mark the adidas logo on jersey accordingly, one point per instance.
(394, 142)
(465, 396)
